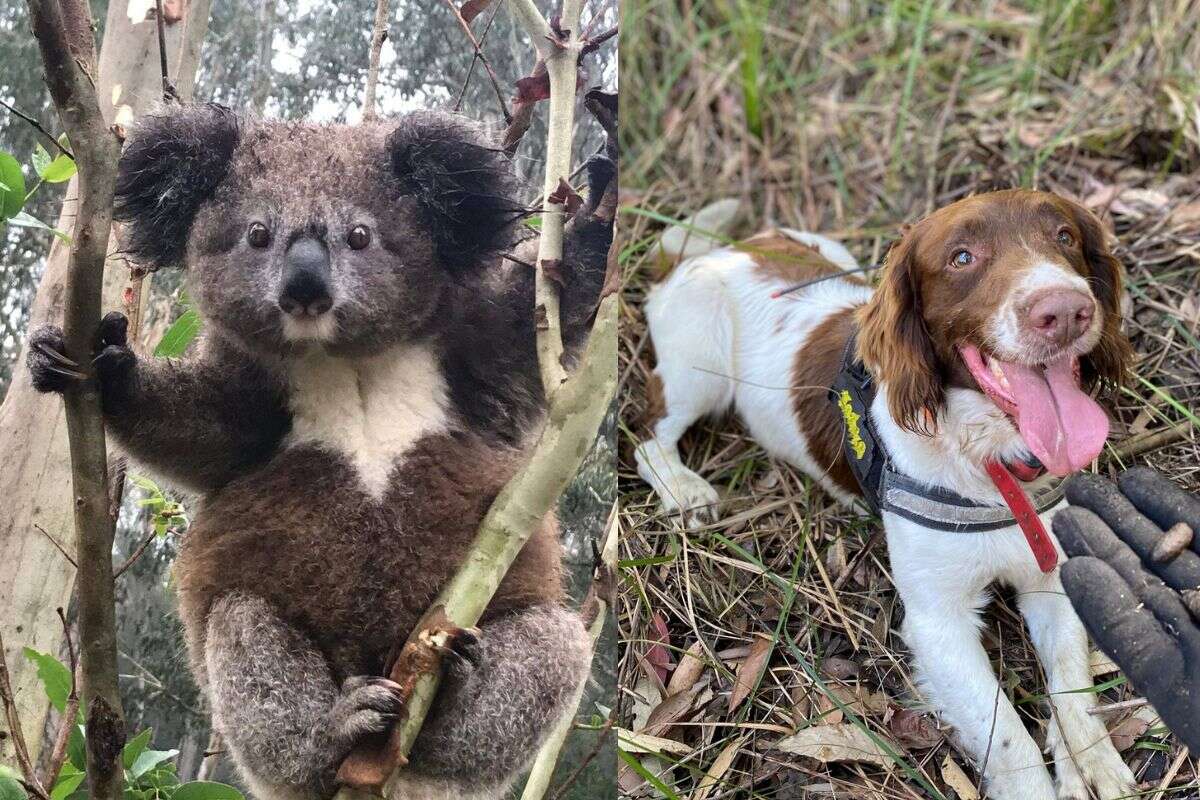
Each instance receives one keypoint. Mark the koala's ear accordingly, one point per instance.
(172, 163)
(463, 183)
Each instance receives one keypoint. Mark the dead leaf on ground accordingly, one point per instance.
(1126, 733)
(691, 667)
(914, 730)
(832, 743)
(750, 670)
(714, 774)
(657, 655)
(957, 780)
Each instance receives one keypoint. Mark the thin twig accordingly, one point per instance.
(169, 93)
(482, 59)
(57, 546)
(136, 553)
(378, 37)
(38, 127)
(14, 726)
(475, 58)
(1113, 708)
(593, 44)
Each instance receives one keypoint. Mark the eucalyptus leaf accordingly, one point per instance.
(41, 159)
(179, 335)
(26, 220)
(68, 781)
(59, 170)
(148, 760)
(12, 200)
(54, 675)
(135, 747)
(10, 787)
(206, 790)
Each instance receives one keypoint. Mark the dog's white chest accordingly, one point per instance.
(369, 410)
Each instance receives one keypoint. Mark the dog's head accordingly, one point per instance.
(1014, 294)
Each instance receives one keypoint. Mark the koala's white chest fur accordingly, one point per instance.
(369, 410)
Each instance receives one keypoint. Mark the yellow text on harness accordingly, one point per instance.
(851, 416)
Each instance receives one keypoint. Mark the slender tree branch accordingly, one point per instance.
(475, 60)
(593, 43)
(169, 93)
(378, 37)
(136, 554)
(38, 127)
(479, 56)
(602, 589)
(63, 30)
(14, 727)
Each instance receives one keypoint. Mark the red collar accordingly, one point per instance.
(1026, 516)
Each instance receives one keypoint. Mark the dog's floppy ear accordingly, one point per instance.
(1109, 360)
(172, 163)
(895, 346)
(462, 182)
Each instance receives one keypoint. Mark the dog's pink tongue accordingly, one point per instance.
(1062, 426)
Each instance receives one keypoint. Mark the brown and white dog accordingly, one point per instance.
(993, 318)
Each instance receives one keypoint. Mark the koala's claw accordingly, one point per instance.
(51, 370)
(368, 705)
(464, 647)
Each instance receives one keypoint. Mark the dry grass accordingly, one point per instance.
(851, 118)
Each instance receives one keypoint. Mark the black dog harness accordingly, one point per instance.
(885, 489)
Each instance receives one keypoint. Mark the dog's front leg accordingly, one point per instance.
(942, 596)
(1083, 753)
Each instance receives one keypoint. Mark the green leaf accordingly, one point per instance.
(76, 750)
(68, 781)
(54, 675)
(206, 790)
(135, 747)
(10, 787)
(148, 760)
(59, 170)
(12, 200)
(179, 335)
(24, 220)
(41, 159)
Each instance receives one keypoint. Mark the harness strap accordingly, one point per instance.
(885, 489)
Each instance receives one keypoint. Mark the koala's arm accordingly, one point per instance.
(198, 422)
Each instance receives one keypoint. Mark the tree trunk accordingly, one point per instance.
(35, 471)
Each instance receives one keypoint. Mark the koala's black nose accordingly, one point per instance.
(306, 279)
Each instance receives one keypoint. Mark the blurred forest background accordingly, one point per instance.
(851, 119)
(297, 59)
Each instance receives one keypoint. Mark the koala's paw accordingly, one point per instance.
(50, 368)
(368, 705)
(462, 648)
(114, 360)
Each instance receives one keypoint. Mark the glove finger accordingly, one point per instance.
(1156, 496)
(1152, 659)
(1139, 532)
(1082, 533)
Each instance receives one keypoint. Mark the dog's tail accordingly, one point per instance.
(701, 233)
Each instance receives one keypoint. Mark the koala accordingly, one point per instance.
(366, 384)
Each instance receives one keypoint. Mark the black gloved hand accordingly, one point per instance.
(1130, 602)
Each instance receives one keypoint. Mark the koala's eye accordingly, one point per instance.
(962, 258)
(1064, 237)
(359, 237)
(258, 235)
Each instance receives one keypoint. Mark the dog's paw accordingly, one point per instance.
(49, 366)
(1105, 772)
(692, 501)
(368, 705)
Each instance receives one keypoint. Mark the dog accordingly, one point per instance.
(966, 372)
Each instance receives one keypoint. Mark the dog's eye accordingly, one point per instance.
(359, 237)
(962, 258)
(1065, 238)
(258, 235)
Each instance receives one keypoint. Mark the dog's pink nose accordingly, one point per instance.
(1061, 316)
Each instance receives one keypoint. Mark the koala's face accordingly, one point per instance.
(298, 235)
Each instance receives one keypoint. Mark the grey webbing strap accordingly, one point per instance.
(947, 511)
